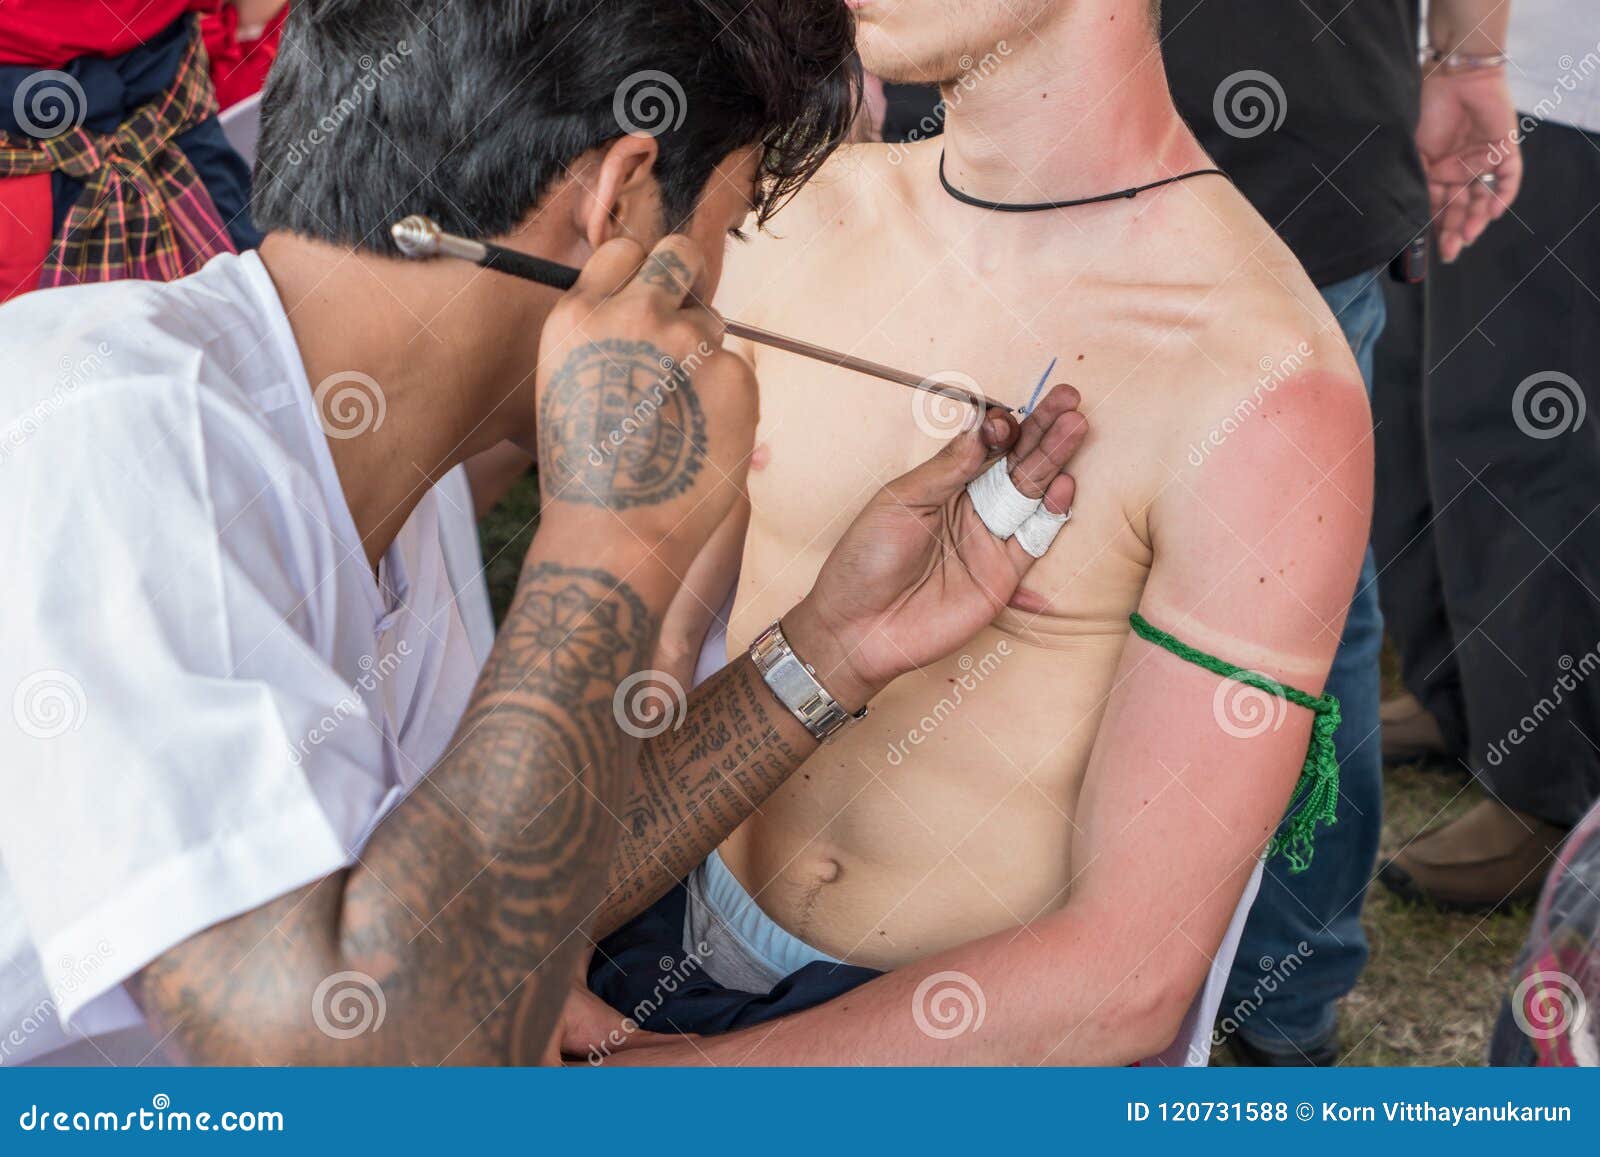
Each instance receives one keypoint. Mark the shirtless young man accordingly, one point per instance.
(1073, 837)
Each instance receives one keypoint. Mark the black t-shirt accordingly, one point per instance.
(1311, 107)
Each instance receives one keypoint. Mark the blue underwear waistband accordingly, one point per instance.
(748, 946)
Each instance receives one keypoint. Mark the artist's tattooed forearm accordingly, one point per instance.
(666, 270)
(737, 746)
(467, 908)
(620, 425)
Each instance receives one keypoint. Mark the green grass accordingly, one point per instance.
(1434, 983)
(505, 535)
(1433, 987)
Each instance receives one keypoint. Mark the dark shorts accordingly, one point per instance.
(644, 971)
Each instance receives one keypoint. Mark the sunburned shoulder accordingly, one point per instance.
(1264, 504)
(1261, 506)
(1272, 357)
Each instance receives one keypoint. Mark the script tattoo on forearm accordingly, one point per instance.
(737, 746)
(463, 910)
(620, 425)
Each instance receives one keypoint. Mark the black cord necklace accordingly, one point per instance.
(1038, 206)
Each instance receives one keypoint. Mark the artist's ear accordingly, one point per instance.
(623, 199)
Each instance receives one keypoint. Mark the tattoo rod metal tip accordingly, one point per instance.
(416, 236)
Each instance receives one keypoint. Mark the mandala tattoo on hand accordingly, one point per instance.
(620, 426)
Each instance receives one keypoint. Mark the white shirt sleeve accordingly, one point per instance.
(167, 594)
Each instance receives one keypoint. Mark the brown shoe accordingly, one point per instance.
(1410, 732)
(1491, 857)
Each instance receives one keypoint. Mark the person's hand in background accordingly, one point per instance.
(1467, 130)
(1467, 136)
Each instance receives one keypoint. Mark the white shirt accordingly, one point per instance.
(206, 699)
(1554, 73)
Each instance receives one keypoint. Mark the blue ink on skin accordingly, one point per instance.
(1039, 389)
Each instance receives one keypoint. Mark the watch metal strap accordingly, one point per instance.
(796, 685)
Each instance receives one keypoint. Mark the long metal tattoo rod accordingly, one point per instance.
(420, 238)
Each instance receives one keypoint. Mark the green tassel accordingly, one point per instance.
(1316, 795)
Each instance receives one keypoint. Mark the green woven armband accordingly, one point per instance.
(1316, 796)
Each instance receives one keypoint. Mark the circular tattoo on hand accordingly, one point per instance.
(620, 426)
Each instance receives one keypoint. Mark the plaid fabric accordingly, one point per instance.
(144, 211)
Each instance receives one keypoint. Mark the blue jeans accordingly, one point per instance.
(1303, 946)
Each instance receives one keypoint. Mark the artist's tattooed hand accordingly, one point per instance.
(642, 414)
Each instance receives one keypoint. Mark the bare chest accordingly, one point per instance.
(830, 438)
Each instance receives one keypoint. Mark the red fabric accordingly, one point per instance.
(48, 33)
(239, 67)
(144, 211)
(24, 231)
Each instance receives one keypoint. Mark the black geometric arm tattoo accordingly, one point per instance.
(469, 902)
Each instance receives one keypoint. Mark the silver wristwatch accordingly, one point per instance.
(795, 683)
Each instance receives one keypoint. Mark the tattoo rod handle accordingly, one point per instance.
(420, 237)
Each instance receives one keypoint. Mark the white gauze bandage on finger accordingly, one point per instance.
(1040, 530)
(998, 502)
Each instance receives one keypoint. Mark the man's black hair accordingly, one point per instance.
(470, 111)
